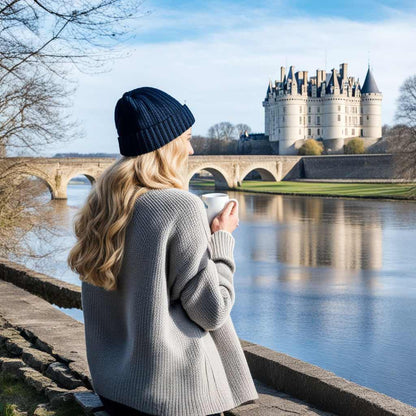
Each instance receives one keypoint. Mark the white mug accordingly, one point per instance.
(214, 203)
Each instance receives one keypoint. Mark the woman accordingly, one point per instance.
(157, 279)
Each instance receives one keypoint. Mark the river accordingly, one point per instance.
(330, 281)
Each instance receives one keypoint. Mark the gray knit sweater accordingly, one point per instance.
(164, 341)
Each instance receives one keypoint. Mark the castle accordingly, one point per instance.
(330, 107)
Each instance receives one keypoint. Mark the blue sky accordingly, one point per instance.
(219, 56)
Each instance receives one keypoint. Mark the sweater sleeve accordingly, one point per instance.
(201, 267)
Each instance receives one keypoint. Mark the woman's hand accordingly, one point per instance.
(227, 219)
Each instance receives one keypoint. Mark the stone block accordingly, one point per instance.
(43, 346)
(35, 379)
(16, 345)
(37, 359)
(55, 391)
(89, 401)
(12, 366)
(62, 375)
(8, 333)
(61, 399)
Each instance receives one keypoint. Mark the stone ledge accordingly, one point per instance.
(320, 387)
(54, 291)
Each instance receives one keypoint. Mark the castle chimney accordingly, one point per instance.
(282, 73)
(318, 78)
(343, 71)
(305, 82)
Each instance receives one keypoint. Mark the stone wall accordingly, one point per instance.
(347, 167)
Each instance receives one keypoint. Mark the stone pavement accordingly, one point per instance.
(49, 351)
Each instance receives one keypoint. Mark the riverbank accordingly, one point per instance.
(401, 191)
(283, 382)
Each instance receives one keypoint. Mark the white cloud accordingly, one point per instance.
(224, 76)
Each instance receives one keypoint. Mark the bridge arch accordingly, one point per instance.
(220, 175)
(37, 174)
(265, 173)
(91, 178)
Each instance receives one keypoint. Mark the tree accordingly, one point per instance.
(241, 128)
(41, 41)
(222, 131)
(402, 137)
(354, 146)
(311, 147)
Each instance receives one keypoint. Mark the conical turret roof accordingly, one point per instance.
(370, 85)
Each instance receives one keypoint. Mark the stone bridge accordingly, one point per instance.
(228, 171)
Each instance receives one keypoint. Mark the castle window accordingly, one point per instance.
(309, 119)
(319, 109)
(339, 117)
(283, 118)
(362, 132)
(353, 132)
(284, 109)
(368, 118)
(319, 132)
(318, 120)
(309, 132)
(346, 119)
(279, 130)
(309, 110)
(361, 110)
(361, 120)
(339, 108)
(300, 120)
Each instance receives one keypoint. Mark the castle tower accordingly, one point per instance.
(371, 99)
(334, 106)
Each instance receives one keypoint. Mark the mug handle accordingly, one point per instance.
(203, 200)
(233, 199)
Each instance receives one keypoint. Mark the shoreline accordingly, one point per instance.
(329, 193)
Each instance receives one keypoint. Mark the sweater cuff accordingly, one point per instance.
(222, 244)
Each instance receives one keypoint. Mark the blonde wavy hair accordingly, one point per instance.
(100, 225)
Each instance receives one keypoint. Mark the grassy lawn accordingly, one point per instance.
(369, 190)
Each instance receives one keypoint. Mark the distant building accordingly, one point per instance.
(331, 107)
(252, 136)
(254, 144)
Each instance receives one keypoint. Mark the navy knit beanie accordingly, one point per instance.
(147, 118)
